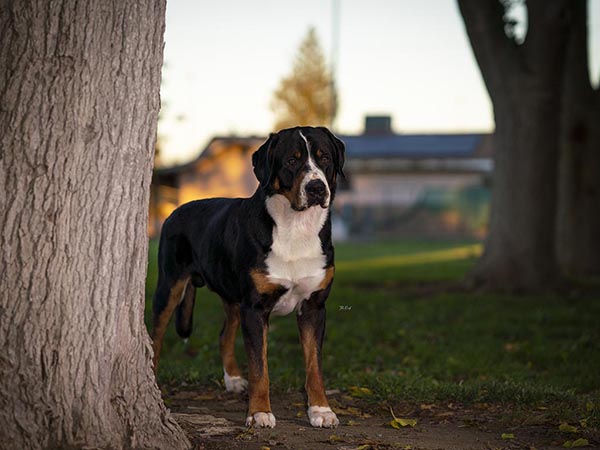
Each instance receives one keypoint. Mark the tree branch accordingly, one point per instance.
(494, 51)
(549, 28)
(577, 63)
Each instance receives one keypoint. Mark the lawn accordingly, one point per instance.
(401, 325)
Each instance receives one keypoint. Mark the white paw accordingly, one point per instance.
(235, 384)
(322, 417)
(261, 420)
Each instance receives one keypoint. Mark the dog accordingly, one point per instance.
(268, 254)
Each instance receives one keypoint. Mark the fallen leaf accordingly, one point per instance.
(356, 391)
(363, 447)
(399, 423)
(576, 443)
(508, 436)
(335, 438)
(349, 411)
(589, 406)
(566, 428)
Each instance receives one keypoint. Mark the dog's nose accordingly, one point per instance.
(316, 192)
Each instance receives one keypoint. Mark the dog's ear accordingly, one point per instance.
(263, 161)
(339, 152)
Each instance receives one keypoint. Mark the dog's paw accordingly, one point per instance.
(261, 420)
(322, 417)
(235, 384)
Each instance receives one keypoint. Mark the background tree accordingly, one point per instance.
(79, 96)
(578, 233)
(307, 96)
(524, 81)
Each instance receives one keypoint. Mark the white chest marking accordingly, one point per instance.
(296, 260)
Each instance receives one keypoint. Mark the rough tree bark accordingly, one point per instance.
(524, 82)
(578, 225)
(79, 85)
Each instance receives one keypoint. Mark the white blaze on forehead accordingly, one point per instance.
(314, 173)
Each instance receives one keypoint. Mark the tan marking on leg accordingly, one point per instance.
(262, 283)
(315, 388)
(227, 339)
(329, 272)
(258, 377)
(160, 324)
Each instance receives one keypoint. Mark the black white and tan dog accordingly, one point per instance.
(267, 254)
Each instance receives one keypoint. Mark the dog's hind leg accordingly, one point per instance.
(166, 299)
(184, 314)
(231, 371)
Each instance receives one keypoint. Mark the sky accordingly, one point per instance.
(409, 59)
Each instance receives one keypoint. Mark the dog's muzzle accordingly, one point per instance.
(316, 193)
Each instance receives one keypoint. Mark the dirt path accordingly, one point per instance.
(214, 420)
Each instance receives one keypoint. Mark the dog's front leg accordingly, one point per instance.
(311, 324)
(254, 328)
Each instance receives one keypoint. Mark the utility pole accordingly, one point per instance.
(335, 47)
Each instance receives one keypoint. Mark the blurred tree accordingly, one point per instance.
(308, 95)
(578, 226)
(524, 80)
(80, 98)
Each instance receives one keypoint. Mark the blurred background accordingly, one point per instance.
(408, 101)
(396, 80)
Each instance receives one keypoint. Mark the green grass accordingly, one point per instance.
(396, 325)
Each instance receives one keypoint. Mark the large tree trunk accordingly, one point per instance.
(578, 225)
(524, 85)
(79, 85)
(519, 252)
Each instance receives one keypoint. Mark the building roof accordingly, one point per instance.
(370, 147)
(414, 146)
(213, 147)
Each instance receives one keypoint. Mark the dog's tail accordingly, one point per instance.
(184, 314)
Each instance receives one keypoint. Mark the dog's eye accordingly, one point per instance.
(324, 159)
(292, 161)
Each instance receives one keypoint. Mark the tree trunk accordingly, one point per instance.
(578, 224)
(524, 86)
(519, 253)
(79, 84)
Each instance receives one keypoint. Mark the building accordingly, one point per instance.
(396, 184)
(223, 169)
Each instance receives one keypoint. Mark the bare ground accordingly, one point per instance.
(214, 419)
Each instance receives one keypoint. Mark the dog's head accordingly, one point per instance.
(302, 164)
